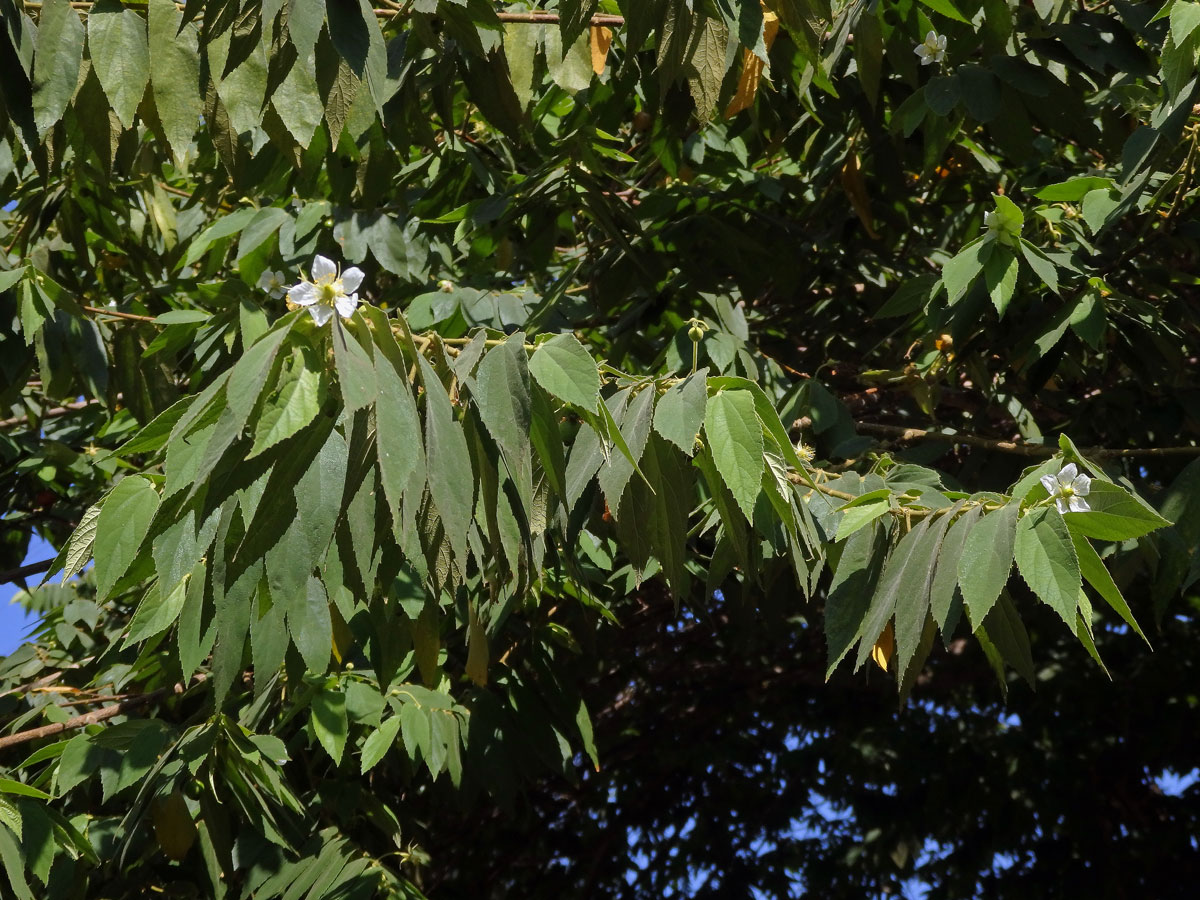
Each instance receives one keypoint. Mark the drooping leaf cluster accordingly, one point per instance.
(602, 255)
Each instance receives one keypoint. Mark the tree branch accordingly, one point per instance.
(1041, 450)
(96, 715)
(21, 572)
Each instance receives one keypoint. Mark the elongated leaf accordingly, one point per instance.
(851, 591)
(1115, 515)
(174, 74)
(56, 62)
(1093, 570)
(986, 560)
(735, 438)
(634, 427)
(502, 395)
(961, 270)
(945, 598)
(120, 53)
(330, 722)
(567, 371)
(289, 411)
(679, 414)
(120, 528)
(310, 625)
(863, 510)
(375, 747)
(356, 373)
(451, 482)
(1046, 560)
(399, 441)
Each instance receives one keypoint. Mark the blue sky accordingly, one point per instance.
(15, 623)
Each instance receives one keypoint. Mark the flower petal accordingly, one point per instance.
(1078, 504)
(266, 280)
(931, 37)
(941, 42)
(1067, 473)
(1082, 485)
(321, 314)
(346, 304)
(303, 294)
(351, 279)
(1061, 503)
(323, 269)
(1049, 483)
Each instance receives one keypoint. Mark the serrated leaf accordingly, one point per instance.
(122, 524)
(947, 9)
(330, 722)
(451, 482)
(1041, 265)
(961, 270)
(1046, 560)
(1115, 515)
(356, 373)
(379, 743)
(945, 598)
(501, 393)
(120, 54)
(706, 67)
(734, 436)
(1005, 631)
(55, 62)
(863, 510)
(78, 549)
(1073, 190)
(310, 625)
(567, 371)
(1096, 574)
(679, 414)
(1000, 276)
(289, 411)
(174, 74)
(634, 428)
(398, 438)
(987, 558)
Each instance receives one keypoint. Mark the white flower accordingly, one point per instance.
(932, 49)
(1068, 488)
(327, 291)
(272, 284)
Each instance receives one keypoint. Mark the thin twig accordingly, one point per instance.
(21, 572)
(132, 317)
(902, 433)
(52, 413)
(96, 715)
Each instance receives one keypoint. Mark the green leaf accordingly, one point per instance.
(1007, 633)
(634, 429)
(222, 228)
(863, 510)
(120, 54)
(735, 437)
(451, 478)
(707, 65)
(913, 597)
(310, 625)
(571, 69)
(1098, 205)
(249, 375)
(501, 393)
(1046, 560)
(55, 62)
(959, 272)
(120, 528)
(520, 48)
(330, 722)
(156, 614)
(174, 75)
(851, 590)
(945, 597)
(1041, 264)
(78, 548)
(679, 414)
(942, 93)
(947, 9)
(356, 373)
(289, 411)
(1000, 275)
(8, 786)
(987, 558)
(398, 437)
(379, 743)
(1115, 515)
(910, 296)
(567, 371)
(1185, 17)
(1093, 570)
(1073, 190)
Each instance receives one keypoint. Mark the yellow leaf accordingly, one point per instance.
(752, 69)
(173, 826)
(882, 651)
(856, 189)
(600, 39)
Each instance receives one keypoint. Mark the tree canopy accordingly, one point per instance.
(623, 447)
